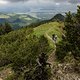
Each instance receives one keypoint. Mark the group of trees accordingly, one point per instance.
(33, 25)
(25, 65)
(41, 71)
(71, 40)
(21, 48)
(5, 28)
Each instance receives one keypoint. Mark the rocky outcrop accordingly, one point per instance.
(65, 72)
(4, 73)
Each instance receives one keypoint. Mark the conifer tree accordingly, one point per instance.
(41, 70)
(78, 15)
(72, 33)
(7, 27)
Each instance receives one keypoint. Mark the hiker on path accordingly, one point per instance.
(54, 37)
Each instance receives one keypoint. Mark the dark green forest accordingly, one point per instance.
(71, 40)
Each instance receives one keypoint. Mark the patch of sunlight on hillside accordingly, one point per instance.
(22, 16)
(49, 29)
(4, 16)
(27, 18)
(12, 14)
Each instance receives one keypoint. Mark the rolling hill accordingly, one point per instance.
(17, 20)
(59, 17)
(49, 29)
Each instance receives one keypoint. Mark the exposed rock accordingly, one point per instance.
(65, 72)
(4, 73)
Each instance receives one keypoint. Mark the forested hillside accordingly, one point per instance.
(22, 47)
(17, 20)
(48, 50)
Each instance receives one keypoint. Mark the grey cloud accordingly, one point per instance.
(15, 0)
(59, 0)
(70, 1)
(74, 1)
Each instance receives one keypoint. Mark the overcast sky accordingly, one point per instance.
(38, 5)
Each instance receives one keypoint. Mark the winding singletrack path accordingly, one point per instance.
(52, 57)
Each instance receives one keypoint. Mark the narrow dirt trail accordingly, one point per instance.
(1, 79)
(49, 37)
(52, 57)
(62, 70)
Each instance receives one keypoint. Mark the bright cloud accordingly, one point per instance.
(57, 4)
(3, 2)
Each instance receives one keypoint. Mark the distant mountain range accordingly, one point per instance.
(18, 20)
(59, 17)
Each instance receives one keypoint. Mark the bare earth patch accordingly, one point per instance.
(4, 73)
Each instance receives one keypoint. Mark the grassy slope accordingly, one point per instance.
(49, 29)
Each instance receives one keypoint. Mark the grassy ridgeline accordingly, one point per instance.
(21, 47)
(49, 29)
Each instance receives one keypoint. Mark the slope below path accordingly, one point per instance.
(61, 71)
